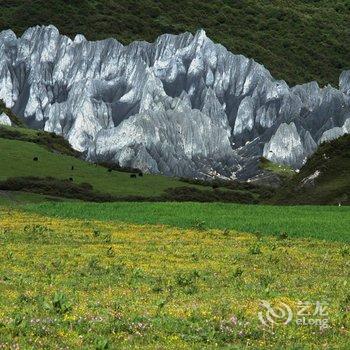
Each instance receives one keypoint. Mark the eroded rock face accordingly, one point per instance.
(344, 82)
(287, 146)
(180, 106)
(336, 132)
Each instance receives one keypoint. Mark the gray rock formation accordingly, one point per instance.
(288, 146)
(344, 82)
(180, 106)
(336, 132)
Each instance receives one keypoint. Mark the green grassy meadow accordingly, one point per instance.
(330, 223)
(133, 275)
(13, 198)
(89, 284)
(16, 159)
(171, 275)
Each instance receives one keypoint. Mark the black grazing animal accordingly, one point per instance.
(35, 159)
(140, 174)
(133, 176)
(110, 170)
(71, 179)
(72, 168)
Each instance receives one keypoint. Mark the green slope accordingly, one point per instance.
(296, 40)
(331, 186)
(50, 141)
(45, 163)
(16, 159)
(284, 171)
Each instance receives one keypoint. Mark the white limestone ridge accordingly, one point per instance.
(180, 106)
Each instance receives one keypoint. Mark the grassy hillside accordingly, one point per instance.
(284, 171)
(331, 186)
(49, 141)
(16, 159)
(330, 223)
(44, 163)
(86, 284)
(296, 40)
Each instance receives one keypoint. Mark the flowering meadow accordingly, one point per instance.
(84, 284)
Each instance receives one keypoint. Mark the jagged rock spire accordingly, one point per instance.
(181, 106)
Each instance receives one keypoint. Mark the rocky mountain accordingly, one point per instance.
(181, 106)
